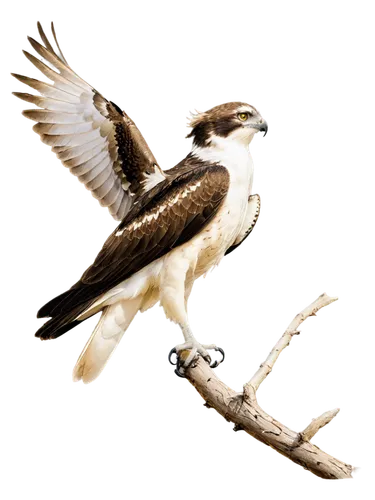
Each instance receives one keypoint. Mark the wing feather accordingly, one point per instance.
(97, 141)
(252, 214)
(88, 165)
(79, 151)
(115, 206)
(51, 117)
(47, 90)
(162, 222)
(101, 175)
(59, 81)
(47, 103)
(70, 140)
(62, 128)
(104, 190)
(83, 156)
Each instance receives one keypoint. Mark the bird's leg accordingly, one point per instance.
(188, 288)
(210, 352)
(190, 342)
(177, 283)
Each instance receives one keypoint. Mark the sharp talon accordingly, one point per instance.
(212, 363)
(172, 357)
(177, 364)
(219, 357)
(195, 349)
(180, 374)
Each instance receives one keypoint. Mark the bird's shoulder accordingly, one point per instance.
(169, 215)
(190, 170)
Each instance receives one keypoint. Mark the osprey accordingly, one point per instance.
(175, 225)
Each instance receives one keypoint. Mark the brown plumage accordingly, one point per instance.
(170, 215)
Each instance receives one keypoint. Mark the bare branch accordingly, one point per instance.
(266, 367)
(318, 423)
(246, 414)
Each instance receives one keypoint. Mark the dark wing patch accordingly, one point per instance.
(169, 220)
(174, 215)
(97, 141)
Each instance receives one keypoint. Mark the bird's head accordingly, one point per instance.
(234, 121)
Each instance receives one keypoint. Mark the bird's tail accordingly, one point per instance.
(60, 324)
(112, 325)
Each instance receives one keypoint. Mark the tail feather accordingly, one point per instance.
(78, 295)
(110, 329)
(48, 310)
(64, 311)
(59, 325)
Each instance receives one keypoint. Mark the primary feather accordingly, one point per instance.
(97, 141)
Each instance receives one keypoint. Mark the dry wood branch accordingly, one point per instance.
(243, 410)
(318, 423)
(265, 368)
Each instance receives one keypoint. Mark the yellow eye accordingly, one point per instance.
(243, 116)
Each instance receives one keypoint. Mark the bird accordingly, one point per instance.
(174, 225)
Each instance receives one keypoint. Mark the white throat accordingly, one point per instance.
(232, 154)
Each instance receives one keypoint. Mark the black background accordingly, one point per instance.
(306, 240)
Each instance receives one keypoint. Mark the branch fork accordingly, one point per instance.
(243, 410)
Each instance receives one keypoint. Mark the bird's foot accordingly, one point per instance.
(186, 354)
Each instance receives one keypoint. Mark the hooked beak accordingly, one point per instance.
(262, 127)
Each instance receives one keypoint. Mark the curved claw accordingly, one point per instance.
(179, 374)
(181, 366)
(172, 357)
(177, 364)
(219, 357)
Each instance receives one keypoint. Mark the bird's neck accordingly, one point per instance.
(234, 155)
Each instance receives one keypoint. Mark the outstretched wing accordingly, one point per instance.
(97, 141)
(177, 210)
